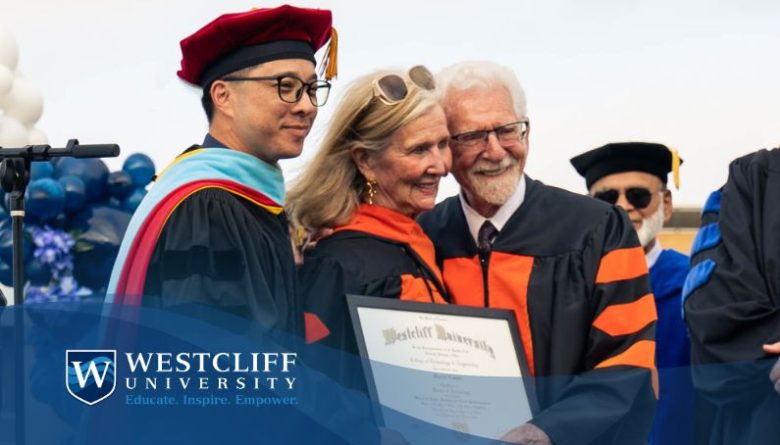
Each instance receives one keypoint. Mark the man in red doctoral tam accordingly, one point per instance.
(212, 231)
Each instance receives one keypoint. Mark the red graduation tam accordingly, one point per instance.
(235, 41)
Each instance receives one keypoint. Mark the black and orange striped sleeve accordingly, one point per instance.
(623, 329)
(617, 388)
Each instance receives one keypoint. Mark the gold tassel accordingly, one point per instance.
(331, 59)
(675, 167)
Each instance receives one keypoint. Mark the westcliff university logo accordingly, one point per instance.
(90, 374)
(204, 379)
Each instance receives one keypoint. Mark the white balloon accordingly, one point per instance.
(12, 133)
(9, 50)
(37, 137)
(24, 102)
(6, 80)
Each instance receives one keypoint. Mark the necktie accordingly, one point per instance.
(485, 237)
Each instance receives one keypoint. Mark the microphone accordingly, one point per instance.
(91, 151)
(72, 149)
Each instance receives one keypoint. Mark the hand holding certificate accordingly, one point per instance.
(456, 367)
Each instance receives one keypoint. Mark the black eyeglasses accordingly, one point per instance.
(290, 88)
(638, 197)
(392, 88)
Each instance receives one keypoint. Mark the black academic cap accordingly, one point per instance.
(656, 159)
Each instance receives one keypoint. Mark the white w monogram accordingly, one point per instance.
(91, 371)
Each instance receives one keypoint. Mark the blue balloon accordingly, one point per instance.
(75, 193)
(120, 185)
(6, 274)
(140, 168)
(45, 199)
(41, 169)
(37, 273)
(93, 172)
(60, 222)
(7, 243)
(131, 202)
(101, 228)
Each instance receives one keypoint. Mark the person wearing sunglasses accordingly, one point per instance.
(570, 268)
(212, 231)
(633, 176)
(379, 167)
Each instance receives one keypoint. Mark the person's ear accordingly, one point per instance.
(527, 132)
(222, 97)
(668, 207)
(363, 161)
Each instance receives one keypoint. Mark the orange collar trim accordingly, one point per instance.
(390, 224)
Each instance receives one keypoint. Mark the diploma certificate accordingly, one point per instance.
(452, 366)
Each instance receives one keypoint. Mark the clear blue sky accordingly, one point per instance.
(701, 76)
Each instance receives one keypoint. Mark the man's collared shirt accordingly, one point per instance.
(475, 220)
(654, 253)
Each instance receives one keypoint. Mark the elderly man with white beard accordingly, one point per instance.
(570, 267)
(633, 176)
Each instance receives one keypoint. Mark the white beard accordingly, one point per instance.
(651, 226)
(494, 190)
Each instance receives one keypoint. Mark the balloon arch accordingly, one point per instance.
(77, 210)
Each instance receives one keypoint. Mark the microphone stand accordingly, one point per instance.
(14, 177)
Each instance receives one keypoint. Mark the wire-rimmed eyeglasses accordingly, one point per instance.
(507, 134)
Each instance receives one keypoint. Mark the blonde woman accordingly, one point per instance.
(379, 167)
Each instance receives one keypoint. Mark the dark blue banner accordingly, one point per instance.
(91, 373)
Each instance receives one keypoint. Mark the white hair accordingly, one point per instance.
(482, 75)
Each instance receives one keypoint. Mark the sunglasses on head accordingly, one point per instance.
(638, 197)
(392, 88)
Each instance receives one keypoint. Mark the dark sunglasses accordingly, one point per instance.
(638, 197)
(392, 88)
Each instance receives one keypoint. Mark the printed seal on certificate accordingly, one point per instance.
(456, 367)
